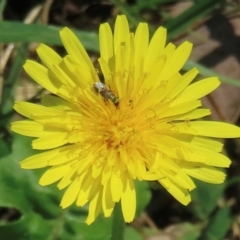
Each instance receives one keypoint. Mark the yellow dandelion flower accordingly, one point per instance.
(138, 123)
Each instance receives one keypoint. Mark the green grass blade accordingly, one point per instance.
(182, 23)
(10, 83)
(2, 6)
(26, 33)
(206, 72)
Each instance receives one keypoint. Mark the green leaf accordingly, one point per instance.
(26, 33)
(218, 225)
(205, 197)
(231, 181)
(131, 233)
(42, 217)
(143, 195)
(5, 142)
(30, 227)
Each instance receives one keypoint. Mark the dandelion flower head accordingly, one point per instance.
(137, 120)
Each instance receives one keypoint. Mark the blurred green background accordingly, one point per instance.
(29, 211)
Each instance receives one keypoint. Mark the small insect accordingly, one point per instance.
(101, 88)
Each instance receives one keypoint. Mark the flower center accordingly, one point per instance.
(119, 135)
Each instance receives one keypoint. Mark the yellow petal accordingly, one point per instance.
(194, 114)
(107, 201)
(38, 160)
(182, 195)
(204, 173)
(141, 39)
(57, 103)
(67, 178)
(106, 42)
(40, 74)
(76, 50)
(92, 190)
(179, 109)
(84, 193)
(53, 174)
(116, 187)
(106, 71)
(71, 194)
(128, 200)
(66, 154)
(48, 56)
(182, 180)
(156, 47)
(177, 60)
(62, 76)
(187, 78)
(119, 80)
(94, 208)
(168, 164)
(30, 109)
(29, 128)
(51, 141)
(209, 129)
(200, 89)
(121, 31)
(106, 174)
(211, 144)
(204, 155)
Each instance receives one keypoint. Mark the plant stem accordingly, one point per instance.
(118, 224)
